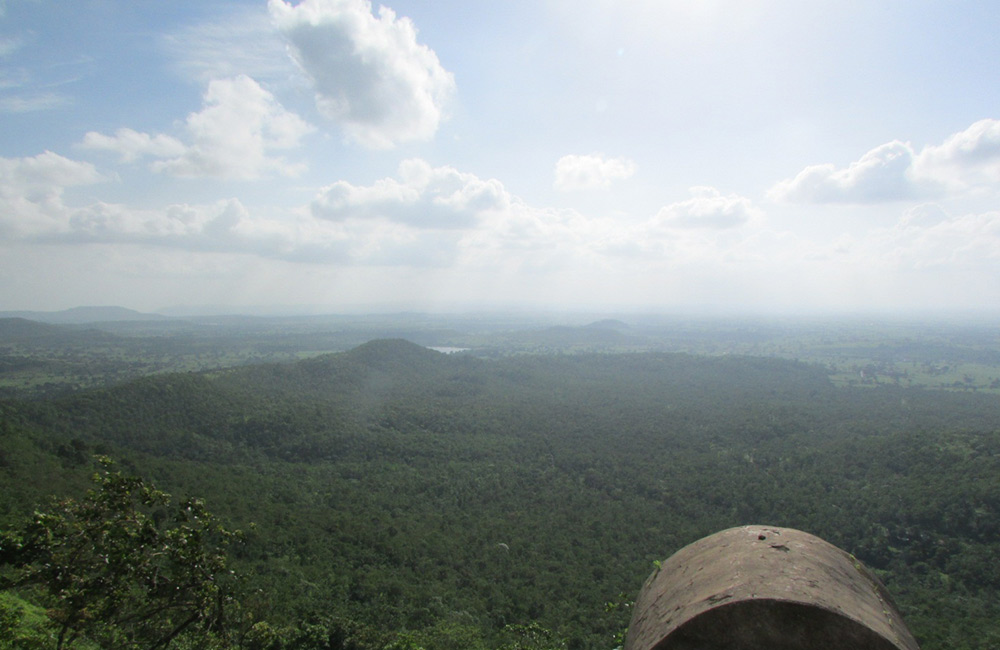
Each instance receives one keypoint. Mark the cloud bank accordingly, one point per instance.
(442, 217)
(443, 223)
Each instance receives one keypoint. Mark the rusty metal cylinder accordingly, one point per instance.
(769, 588)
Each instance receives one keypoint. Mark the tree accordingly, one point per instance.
(124, 567)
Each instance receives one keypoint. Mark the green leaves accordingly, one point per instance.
(123, 566)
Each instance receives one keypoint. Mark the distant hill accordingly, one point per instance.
(78, 315)
(389, 354)
(608, 324)
(33, 333)
(20, 328)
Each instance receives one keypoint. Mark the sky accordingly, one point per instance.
(718, 156)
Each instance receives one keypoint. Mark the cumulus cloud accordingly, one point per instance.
(370, 74)
(708, 208)
(423, 196)
(893, 171)
(428, 216)
(968, 159)
(233, 136)
(882, 174)
(45, 171)
(589, 172)
(33, 209)
(420, 219)
(424, 216)
(31, 190)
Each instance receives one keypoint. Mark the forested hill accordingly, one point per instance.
(449, 496)
(294, 410)
(19, 331)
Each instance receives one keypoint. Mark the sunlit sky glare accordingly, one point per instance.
(644, 155)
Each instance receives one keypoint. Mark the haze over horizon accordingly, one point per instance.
(716, 156)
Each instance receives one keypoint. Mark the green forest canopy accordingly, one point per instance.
(433, 497)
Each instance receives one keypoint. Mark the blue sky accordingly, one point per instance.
(649, 155)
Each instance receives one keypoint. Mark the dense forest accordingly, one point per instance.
(392, 496)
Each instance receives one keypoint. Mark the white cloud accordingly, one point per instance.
(966, 160)
(233, 136)
(45, 171)
(370, 73)
(589, 172)
(423, 197)
(31, 190)
(132, 145)
(441, 223)
(882, 174)
(708, 208)
(426, 217)
(32, 209)
(893, 171)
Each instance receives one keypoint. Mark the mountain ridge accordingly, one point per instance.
(85, 314)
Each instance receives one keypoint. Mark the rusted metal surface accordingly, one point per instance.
(765, 587)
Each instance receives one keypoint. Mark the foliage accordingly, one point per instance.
(531, 637)
(23, 626)
(124, 567)
(412, 499)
